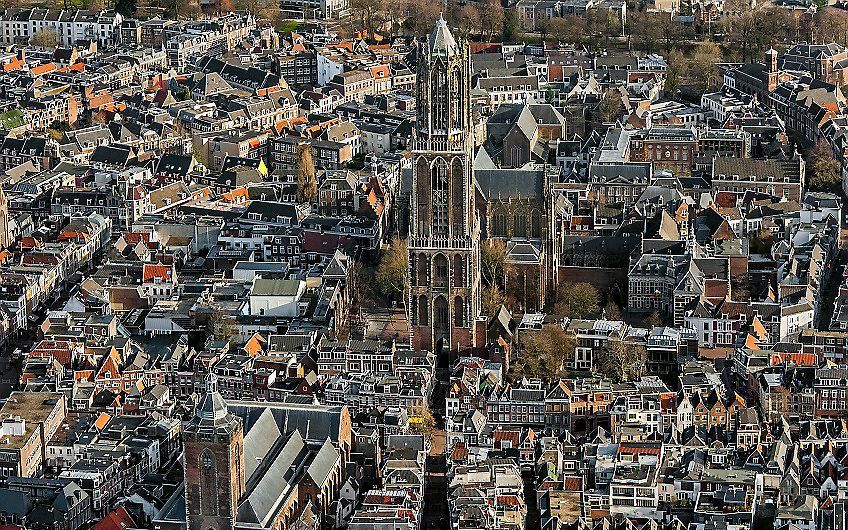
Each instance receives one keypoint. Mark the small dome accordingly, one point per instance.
(211, 406)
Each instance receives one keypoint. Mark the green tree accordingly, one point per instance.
(576, 300)
(674, 74)
(307, 182)
(621, 361)
(391, 273)
(825, 171)
(510, 30)
(45, 38)
(60, 125)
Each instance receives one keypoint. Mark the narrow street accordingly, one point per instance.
(830, 289)
(435, 513)
(533, 517)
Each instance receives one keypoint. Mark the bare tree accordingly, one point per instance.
(267, 11)
(702, 68)
(222, 326)
(493, 261)
(610, 107)
(825, 171)
(366, 12)
(546, 352)
(307, 183)
(492, 18)
(491, 298)
(621, 361)
(391, 274)
(612, 311)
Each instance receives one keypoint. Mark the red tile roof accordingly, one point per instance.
(134, 237)
(638, 449)
(459, 452)
(508, 500)
(117, 519)
(501, 435)
(43, 69)
(573, 484)
(798, 359)
(156, 271)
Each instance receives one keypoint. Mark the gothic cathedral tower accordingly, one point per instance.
(214, 463)
(444, 240)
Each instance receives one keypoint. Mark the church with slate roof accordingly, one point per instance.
(252, 465)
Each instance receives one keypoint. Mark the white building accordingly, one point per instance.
(69, 25)
(276, 297)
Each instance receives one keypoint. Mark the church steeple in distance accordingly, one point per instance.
(444, 251)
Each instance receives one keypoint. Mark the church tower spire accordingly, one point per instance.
(444, 249)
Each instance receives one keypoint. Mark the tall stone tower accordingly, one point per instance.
(444, 240)
(214, 463)
(4, 221)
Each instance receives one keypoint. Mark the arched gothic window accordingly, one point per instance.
(536, 224)
(423, 310)
(459, 271)
(208, 483)
(457, 196)
(459, 312)
(440, 271)
(519, 224)
(440, 197)
(441, 312)
(499, 224)
(423, 196)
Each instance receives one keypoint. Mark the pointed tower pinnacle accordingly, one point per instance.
(441, 41)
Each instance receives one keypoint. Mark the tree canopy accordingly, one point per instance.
(45, 38)
(307, 182)
(576, 300)
(825, 171)
(621, 361)
(493, 261)
(391, 274)
(545, 353)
